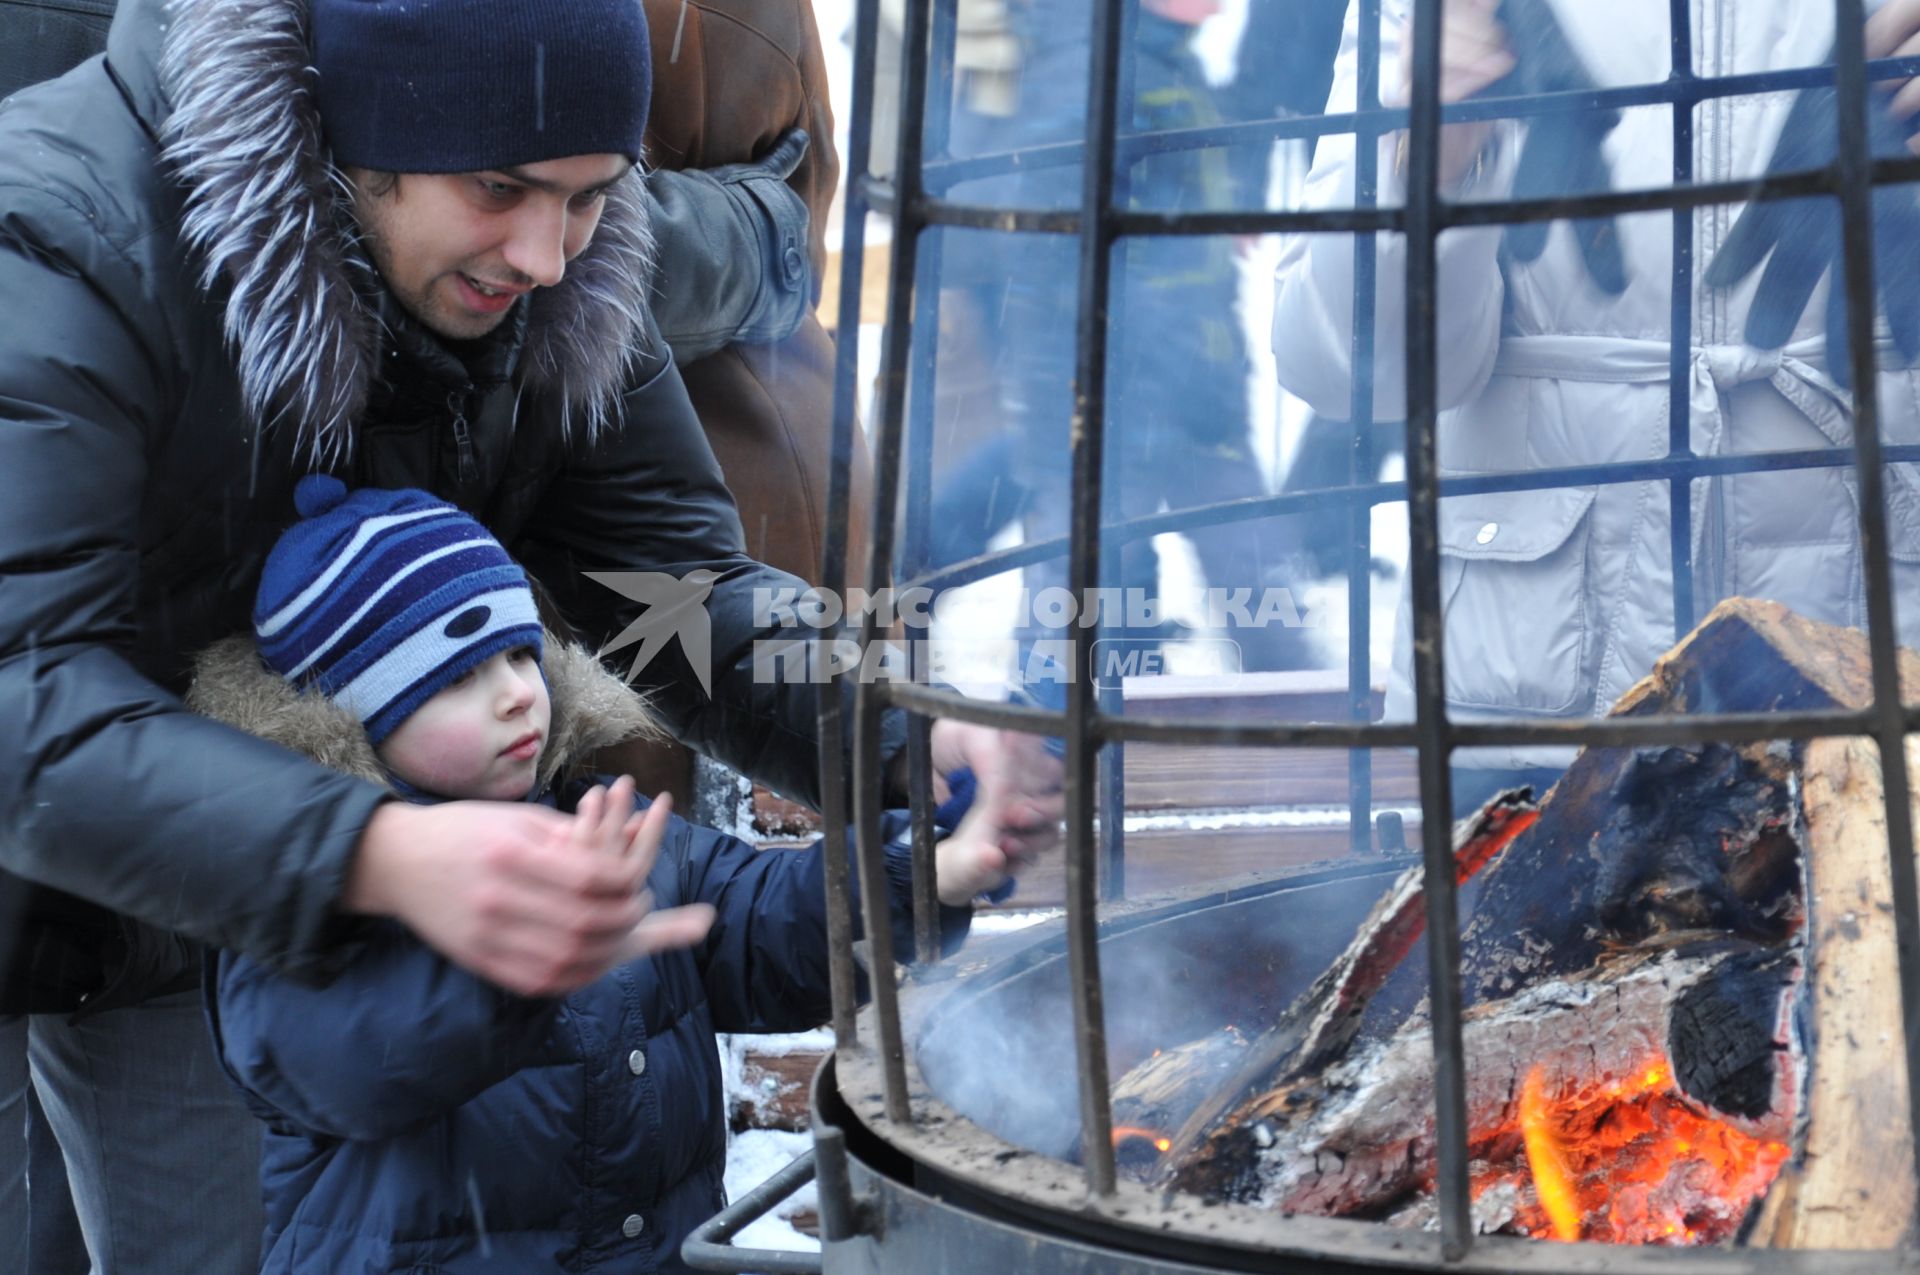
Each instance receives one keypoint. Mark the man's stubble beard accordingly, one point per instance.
(419, 307)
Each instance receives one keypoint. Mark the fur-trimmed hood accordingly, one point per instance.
(267, 215)
(592, 709)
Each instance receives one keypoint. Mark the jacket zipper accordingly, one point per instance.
(463, 440)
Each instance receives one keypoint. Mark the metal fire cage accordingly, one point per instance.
(1092, 729)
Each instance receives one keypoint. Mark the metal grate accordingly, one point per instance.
(1092, 728)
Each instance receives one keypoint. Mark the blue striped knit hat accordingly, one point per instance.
(382, 599)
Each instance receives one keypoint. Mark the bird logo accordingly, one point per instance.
(675, 607)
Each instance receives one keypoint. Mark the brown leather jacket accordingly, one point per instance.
(729, 77)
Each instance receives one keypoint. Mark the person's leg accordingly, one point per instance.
(38, 1232)
(163, 1157)
(53, 1229)
(14, 1088)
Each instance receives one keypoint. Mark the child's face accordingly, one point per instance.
(480, 737)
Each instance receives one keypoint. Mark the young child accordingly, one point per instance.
(418, 1118)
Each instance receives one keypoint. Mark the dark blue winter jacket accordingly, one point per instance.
(421, 1119)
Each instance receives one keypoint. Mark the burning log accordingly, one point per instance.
(1359, 1136)
(1658, 1024)
(1320, 1026)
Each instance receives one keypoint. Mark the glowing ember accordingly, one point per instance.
(1630, 1163)
(1124, 1133)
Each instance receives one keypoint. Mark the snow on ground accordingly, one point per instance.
(752, 1158)
(758, 1154)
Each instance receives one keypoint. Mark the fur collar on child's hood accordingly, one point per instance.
(592, 709)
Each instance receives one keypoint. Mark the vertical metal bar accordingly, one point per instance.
(1113, 807)
(920, 429)
(1856, 213)
(941, 79)
(1361, 462)
(1112, 759)
(1680, 322)
(868, 784)
(926, 895)
(1430, 702)
(1083, 926)
(833, 564)
(868, 781)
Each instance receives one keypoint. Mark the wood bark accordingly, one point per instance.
(1721, 910)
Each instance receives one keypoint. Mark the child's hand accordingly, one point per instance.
(1020, 784)
(969, 863)
(605, 821)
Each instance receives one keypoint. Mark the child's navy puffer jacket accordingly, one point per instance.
(420, 1119)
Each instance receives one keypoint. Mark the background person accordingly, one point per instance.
(1554, 351)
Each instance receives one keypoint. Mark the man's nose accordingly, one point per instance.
(538, 246)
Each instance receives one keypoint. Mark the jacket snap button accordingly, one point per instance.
(637, 1062)
(1487, 533)
(794, 264)
(633, 1225)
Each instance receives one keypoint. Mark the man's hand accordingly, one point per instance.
(1021, 785)
(500, 890)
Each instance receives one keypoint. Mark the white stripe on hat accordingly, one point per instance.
(271, 626)
(390, 676)
(334, 638)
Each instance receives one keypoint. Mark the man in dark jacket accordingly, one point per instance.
(193, 322)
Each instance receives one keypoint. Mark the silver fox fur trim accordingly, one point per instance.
(268, 212)
(592, 709)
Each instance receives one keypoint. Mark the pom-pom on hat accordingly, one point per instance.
(458, 86)
(381, 599)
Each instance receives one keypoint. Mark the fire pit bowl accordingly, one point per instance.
(983, 1178)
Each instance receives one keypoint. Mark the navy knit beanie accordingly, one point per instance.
(381, 599)
(458, 86)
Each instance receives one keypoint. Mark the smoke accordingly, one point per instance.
(1003, 1054)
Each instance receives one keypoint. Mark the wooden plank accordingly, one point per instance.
(773, 1092)
(1180, 858)
(1176, 777)
(1308, 695)
(1852, 1185)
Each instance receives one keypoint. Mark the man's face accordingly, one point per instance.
(458, 249)
(479, 738)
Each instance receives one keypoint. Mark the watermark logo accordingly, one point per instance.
(802, 638)
(676, 609)
(1113, 660)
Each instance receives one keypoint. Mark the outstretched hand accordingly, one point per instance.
(605, 823)
(538, 902)
(1021, 793)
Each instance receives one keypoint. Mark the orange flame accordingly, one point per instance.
(1126, 1132)
(1550, 1177)
(1629, 1162)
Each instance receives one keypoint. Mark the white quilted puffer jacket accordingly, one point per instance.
(1558, 600)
